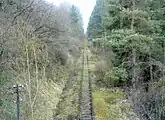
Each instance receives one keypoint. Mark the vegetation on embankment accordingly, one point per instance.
(109, 102)
(39, 44)
(131, 35)
(105, 104)
(69, 99)
(111, 105)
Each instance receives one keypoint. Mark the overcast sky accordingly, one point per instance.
(85, 6)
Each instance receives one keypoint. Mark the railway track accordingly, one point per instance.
(86, 111)
(85, 106)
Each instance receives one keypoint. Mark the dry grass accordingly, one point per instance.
(105, 105)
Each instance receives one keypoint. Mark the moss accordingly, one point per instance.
(105, 105)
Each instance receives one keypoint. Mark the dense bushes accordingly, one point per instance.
(134, 32)
(35, 43)
(116, 77)
(108, 76)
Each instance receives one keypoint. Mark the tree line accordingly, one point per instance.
(39, 43)
(129, 34)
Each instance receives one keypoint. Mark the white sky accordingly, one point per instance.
(85, 6)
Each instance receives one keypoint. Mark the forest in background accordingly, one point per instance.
(129, 37)
(39, 43)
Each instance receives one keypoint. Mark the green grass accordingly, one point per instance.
(105, 104)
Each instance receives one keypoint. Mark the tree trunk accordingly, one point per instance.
(133, 16)
(134, 68)
(133, 50)
(121, 18)
(161, 110)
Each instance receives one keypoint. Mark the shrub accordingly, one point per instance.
(115, 77)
